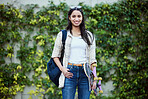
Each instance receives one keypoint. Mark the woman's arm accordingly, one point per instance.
(57, 61)
(57, 53)
(93, 61)
(92, 49)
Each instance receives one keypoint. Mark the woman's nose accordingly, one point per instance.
(77, 18)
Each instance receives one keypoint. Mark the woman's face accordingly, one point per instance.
(76, 18)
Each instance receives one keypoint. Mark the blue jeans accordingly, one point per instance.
(79, 79)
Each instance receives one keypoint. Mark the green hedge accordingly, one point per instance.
(121, 37)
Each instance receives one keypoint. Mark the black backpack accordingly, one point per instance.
(52, 69)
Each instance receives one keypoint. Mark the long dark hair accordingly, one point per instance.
(84, 33)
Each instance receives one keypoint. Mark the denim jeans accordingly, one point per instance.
(79, 80)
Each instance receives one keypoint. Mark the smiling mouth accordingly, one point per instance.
(76, 22)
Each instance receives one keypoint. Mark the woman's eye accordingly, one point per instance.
(79, 16)
(73, 16)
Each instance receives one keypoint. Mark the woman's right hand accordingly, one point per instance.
(66, 72)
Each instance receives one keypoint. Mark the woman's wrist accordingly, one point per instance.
(61, 68)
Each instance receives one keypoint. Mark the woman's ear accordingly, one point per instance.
(69, 18)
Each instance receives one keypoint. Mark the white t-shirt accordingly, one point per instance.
(78, 50)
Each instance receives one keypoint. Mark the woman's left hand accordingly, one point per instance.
(94, 85)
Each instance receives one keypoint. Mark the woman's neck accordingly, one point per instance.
(76, 31)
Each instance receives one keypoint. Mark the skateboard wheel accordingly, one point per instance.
(94, 65)
(100, 78)
(96, 78)
(100, 91)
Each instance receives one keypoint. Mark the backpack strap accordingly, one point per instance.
(64, 35)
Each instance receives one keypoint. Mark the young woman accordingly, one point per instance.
(79, 49)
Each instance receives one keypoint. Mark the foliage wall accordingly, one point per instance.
(121, 37)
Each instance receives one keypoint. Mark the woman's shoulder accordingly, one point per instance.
(60, 33)
(90, 34)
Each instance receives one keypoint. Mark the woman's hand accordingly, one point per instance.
(66, 72)
(94, 85)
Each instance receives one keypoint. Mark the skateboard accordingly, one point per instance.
(92, 76)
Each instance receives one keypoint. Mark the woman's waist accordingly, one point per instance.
(76, 64)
